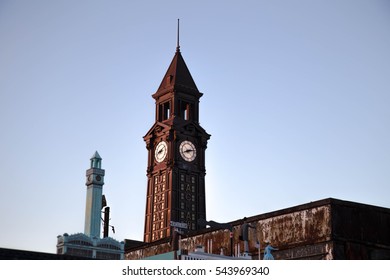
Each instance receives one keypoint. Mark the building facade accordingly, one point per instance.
(82, 245)
(328, 229)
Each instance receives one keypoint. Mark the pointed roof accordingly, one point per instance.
(177, 76)
(96, 155)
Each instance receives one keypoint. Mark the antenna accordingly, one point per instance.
(178, 44)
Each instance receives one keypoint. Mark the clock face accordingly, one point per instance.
(187, 150)
(161, 151)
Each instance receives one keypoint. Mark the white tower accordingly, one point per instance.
(89, 244)
(95, 182)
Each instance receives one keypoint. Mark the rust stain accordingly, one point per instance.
(294, 229)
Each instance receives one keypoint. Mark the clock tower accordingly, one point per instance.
(176, 146)
(93, 208)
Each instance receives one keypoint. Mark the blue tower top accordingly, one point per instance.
(96, 161)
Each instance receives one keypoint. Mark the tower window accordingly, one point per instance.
(164, 111)
(169, 80)
(185, 110)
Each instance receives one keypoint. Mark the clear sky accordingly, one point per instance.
(296, 98)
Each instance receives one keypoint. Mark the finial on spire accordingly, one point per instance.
(178, 44)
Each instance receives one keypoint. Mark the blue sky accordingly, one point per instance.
(296, 98)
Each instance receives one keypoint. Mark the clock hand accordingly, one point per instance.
(188, 151)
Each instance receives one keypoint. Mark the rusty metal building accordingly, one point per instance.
(321, 230)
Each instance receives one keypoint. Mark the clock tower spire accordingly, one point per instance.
(176, 146)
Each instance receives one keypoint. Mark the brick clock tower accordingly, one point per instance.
(176, 146)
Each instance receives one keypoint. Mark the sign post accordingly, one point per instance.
(179, 225)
